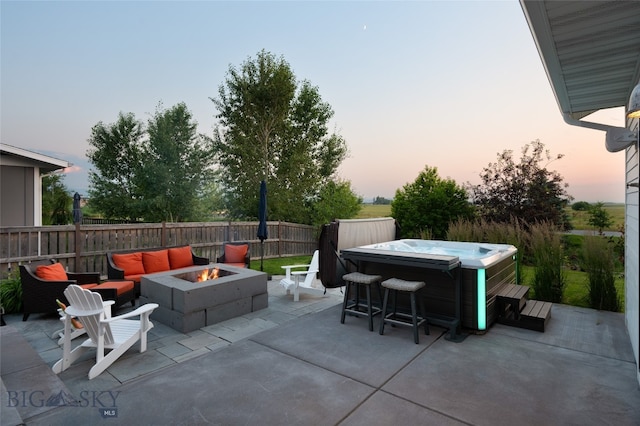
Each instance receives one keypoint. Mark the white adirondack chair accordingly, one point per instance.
(116, 334)
(75, 331)
(292, 279)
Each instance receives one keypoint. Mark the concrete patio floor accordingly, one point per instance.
(294, 363)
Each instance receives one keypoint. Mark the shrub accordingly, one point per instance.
(429, 204)
(618, 246)
(599, 263)
(580, 206)
(527, 190)
(11, 293)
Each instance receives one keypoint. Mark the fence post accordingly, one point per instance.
(279, 238)
(78, 250)
(163, 236)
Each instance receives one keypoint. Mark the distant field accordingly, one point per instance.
(374, 210)
(579, 219)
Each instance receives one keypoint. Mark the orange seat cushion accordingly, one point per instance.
(235, 253)
(155, 261)
(120, 286)
(180, 257)
(130, 263)
(53, 272)
(88, 286)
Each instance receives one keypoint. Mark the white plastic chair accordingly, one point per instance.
(116, 334)
(292, 279)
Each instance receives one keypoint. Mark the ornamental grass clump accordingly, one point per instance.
(481, 230)
(485, 231)
(549, 275)
(599, 264)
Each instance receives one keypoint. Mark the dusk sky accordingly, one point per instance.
(412, 84)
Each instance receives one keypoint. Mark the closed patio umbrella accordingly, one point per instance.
(262, 218)
(77, 212)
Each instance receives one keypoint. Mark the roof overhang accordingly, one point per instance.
(590, 51)
(45, 163)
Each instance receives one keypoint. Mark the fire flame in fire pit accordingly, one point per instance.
(208, 274)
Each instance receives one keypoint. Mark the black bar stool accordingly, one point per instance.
(398, 318)
(358, 279)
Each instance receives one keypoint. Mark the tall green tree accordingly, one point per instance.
(155, 173)
(56, 201)
(429, 204)
(177, 166)
(270, 127)
(526, 190)
(116, 155)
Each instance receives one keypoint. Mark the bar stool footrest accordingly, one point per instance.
(361, 310)
(400, 318)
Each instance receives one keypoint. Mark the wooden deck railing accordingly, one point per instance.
(83, 248)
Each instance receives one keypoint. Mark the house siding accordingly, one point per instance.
(632, 296)
(17, 196)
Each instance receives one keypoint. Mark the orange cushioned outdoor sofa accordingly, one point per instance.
(133, 264)
(45, 281)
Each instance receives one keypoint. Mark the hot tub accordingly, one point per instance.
(478, 270)
(472, 255)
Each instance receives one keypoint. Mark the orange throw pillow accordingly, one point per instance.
(130, 263)
(155, 261)
(53, 272)
(235, 253)
(180, 257)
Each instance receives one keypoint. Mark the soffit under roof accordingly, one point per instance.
(45, 163)
(590, 51)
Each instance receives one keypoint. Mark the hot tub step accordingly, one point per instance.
(535, 315)
(514, 295)
(515, 308)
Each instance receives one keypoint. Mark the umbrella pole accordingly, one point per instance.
(261, 255)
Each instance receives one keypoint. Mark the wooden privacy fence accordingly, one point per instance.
(83, 248)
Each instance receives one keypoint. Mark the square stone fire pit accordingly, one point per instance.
(186, 306)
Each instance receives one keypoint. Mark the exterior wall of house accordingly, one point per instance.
(17, 206)
(21, 196)
(632, 294)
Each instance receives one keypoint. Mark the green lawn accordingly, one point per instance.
(273, 266)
